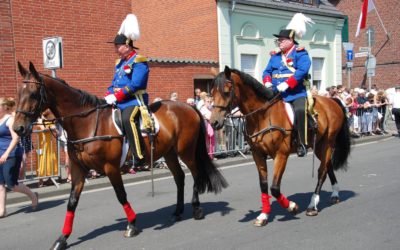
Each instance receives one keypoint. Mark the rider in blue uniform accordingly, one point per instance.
(128, 91)
(286, 72)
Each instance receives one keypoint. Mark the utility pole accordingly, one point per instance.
(371, 60)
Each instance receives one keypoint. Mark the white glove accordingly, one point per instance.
(282, 86)
(268, 84)
(111, 99)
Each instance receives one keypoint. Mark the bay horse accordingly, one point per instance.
(94, 143)
(268, 131)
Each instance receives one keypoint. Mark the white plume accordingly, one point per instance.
(298, 24)
(130, 27)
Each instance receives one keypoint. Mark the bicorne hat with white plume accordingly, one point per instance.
(296, 27)
(128, 32)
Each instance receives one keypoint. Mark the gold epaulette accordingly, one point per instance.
(299, 48)
(117, 61)
(140, 59)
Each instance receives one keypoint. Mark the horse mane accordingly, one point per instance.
(85, 98)
(259, 88)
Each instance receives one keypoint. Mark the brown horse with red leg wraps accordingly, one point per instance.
(94, 143)
(269, 133)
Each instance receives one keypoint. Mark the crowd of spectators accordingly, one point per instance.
(367, 111)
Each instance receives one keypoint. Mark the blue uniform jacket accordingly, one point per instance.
(277, 72)
(130, 76)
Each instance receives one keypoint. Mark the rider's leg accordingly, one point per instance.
(130, 119)
(299, 106)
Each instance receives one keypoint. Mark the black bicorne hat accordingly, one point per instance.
(289, 34)
(122, 39)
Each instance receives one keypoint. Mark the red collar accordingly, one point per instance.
(287, 53)
(133, 53)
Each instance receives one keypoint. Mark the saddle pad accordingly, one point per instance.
(116, 117)
(289, 112)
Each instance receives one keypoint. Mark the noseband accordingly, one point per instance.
(42, 100)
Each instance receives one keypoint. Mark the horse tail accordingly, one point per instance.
(342, 148)
(209, 177)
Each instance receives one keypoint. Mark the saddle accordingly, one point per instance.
(311, 121)
(155, 125)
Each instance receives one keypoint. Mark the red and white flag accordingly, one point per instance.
(367, 6)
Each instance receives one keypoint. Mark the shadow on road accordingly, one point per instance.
(302, 200)
(158, 219)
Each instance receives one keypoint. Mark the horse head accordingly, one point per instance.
(223, 94)
(31, 100)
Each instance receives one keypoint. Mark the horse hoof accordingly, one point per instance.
(175, 218)
(198, 213)
(311, 212)
(59, 245)
(131, 231)
(293, 208)
(260, 222)
(334, 200)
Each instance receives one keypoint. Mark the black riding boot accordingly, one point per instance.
(130, 119)
(300, 114)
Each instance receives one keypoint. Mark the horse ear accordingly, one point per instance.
(227, 72)
(33, 71)
(22, 70)
(213, 71)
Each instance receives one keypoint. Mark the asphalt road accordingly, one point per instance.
(367, 217)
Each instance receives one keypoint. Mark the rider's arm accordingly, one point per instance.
(303, 64)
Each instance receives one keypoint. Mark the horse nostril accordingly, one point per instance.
(214, 124)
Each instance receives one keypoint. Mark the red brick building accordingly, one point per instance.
(386, 48)
(180, 42)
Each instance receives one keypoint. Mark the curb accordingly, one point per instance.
(103, 182)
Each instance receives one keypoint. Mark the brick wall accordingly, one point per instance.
(387, 52)
(169, 29)
(7, 66)
(178, 29)
(85, 27)
(166, 78)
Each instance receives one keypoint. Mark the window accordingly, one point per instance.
(317, 67)
(248, 64)
(311, 2)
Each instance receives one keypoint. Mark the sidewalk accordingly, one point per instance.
(101, 182)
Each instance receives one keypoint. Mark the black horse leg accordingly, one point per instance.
(76, 189)
(197, 210)
(335, 187)
(116, 181)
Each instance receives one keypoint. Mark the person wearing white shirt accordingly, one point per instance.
(396, 109)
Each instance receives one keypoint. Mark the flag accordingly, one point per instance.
(367, 6)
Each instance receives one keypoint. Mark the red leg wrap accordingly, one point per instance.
(283, 201)
(266, 207)
(130, 214)
(69, 221)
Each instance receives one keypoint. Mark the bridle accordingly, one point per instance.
(231, 94)
(42, 99)
(244, 117)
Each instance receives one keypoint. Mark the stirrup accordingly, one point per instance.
(301, 150)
